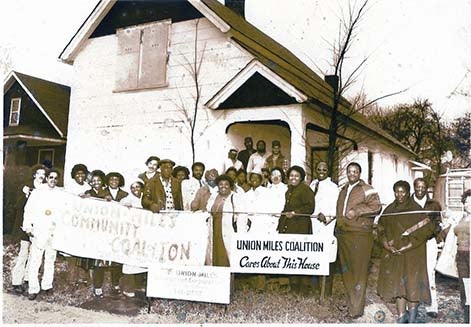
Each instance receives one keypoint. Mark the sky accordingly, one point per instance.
(423, 46)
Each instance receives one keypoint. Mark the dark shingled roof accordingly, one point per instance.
(284, 63)
(53, 97)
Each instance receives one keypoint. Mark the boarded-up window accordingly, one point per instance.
(142, 56)
(15, 105)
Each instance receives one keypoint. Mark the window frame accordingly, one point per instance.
(141, 28)
(45, 150)
(10, 123)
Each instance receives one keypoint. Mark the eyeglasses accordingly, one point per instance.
(52, 177)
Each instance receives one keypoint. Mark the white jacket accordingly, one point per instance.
(189, 189)
(42, 210)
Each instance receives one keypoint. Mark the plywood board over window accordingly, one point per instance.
(142, 56)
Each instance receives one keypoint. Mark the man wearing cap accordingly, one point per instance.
(163, 192)
(192, 185)
(276, 158)
(257, 160)
(244, 155)
(231, 161)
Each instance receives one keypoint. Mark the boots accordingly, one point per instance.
(413, 314)
(404, 319)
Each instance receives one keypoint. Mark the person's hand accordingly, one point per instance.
(129, 205)
(289, 214)
(108, 198)
(350, 214)
(403, 248)
(83, 195)
(26, 190)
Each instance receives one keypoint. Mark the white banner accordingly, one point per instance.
(281, 254)
(204, 284)
(99, 229)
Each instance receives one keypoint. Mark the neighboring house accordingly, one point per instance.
(135, 89)
(450, 187)
(35, 115)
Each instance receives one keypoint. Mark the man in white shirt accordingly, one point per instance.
(192, 185)
(41, 213)
(421, 198)
(19, 272)
(326, 194)
(231, 161)
(257, 160)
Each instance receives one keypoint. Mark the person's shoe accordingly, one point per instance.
(115, 290)
(98, 293)
(49, 292)
(32, 296)
(18, 289)
(413, 314)
(404, 319)
(432, 314)
(141, 294)
(129, 294)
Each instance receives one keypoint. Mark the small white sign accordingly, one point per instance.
(203, 284)
(280, 254)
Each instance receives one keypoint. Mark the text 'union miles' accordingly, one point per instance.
(256, 245)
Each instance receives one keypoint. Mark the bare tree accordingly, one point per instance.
(341, 111)
(5, 60)
(193, 67)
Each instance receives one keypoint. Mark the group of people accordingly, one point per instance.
(244, 199)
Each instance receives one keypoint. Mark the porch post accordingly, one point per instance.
(298, 146)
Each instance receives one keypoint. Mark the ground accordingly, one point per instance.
(75, 304)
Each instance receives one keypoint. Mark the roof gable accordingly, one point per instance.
(51, 98)
(267, 52)
(257, 91)
(130, 13)
(255, 86)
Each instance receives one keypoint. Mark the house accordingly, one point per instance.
(35, 116)
(142, 67)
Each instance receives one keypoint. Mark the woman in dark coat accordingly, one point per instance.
(403, 270)
(299, 200)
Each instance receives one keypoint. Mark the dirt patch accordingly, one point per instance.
(67, 303)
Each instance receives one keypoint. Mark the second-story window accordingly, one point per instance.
(142, 56)
(15, 107)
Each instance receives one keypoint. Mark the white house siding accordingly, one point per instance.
(119, 130)
(390, 163)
